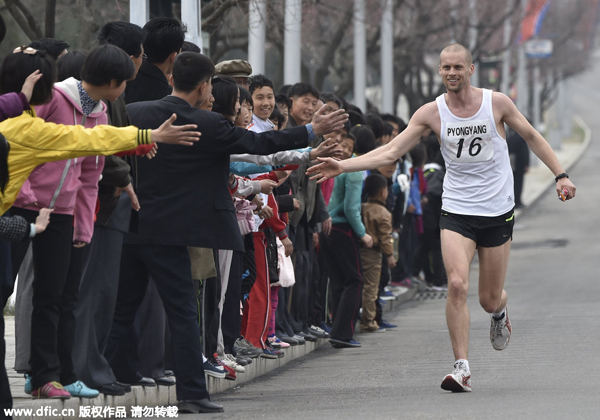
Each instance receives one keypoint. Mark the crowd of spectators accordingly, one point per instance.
(161, 265)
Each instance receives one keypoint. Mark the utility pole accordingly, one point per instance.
(257, 36)
(292, 42)
(505, 86)
(191, 15)
(360, 55)
(139, 12)
(473, 34)
(387, 58)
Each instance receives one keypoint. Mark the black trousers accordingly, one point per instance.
(303, 265)
(5, 395)
(384, 280)
(345, 279)
(519, 177)
(318, 296)
(169, 267)
(96, 307)
(55, 293)
(248, 266)
(429, 258)
(210, 306)
(231, 319)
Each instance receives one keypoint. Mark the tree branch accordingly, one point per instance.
(24, 19)
(334, 43)
(220, 11)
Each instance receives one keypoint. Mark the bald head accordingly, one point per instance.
(454, 48)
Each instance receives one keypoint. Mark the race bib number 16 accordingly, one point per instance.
(469, 141)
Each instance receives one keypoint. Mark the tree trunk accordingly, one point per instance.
(49, 25)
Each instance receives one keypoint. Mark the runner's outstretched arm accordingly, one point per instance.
(515, 120)
(384, 155)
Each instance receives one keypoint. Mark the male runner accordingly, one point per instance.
(478, 202)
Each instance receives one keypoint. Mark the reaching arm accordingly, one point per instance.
(535, 141)
(385, 155)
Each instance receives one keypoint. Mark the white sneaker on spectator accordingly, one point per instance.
(459, 380)
(229, 360)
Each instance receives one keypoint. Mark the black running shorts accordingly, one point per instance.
(487, 232)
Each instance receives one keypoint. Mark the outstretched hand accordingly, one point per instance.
(326, 149)
(27, 88)
(175, 134)
(328, 168)
(324, 123)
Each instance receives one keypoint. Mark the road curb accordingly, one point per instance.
(166, 396)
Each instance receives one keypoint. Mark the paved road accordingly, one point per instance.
(549, 371)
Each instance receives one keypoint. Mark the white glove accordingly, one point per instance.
(404, 182)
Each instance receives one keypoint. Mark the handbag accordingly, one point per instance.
(286, 268)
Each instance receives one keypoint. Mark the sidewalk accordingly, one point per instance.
(143, 396)
(537, 182)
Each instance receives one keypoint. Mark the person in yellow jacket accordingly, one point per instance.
(27, 141)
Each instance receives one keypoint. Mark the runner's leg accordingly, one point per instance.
(458, 252)
(493, 263)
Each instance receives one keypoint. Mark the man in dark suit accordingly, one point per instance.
(185, 201)
(141, 359)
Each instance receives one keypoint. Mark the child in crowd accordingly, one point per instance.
(342, 252)
(378, 224)
(245, 116)
(278, 119)
(284, 105)
(262, 301)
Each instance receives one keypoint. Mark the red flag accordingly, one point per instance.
(534, 16)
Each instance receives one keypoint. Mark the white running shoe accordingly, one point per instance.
(229, 360)
(459, 380)
(500, 331)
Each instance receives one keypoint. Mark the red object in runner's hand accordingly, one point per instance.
(562, 196)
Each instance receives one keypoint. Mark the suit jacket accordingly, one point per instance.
(150, 84)
(183, 191)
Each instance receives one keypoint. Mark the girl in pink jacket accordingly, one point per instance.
(70, 188)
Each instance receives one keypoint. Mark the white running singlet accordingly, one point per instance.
(479, 179)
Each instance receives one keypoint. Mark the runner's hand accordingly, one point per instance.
(328, 168)
(566, 183)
